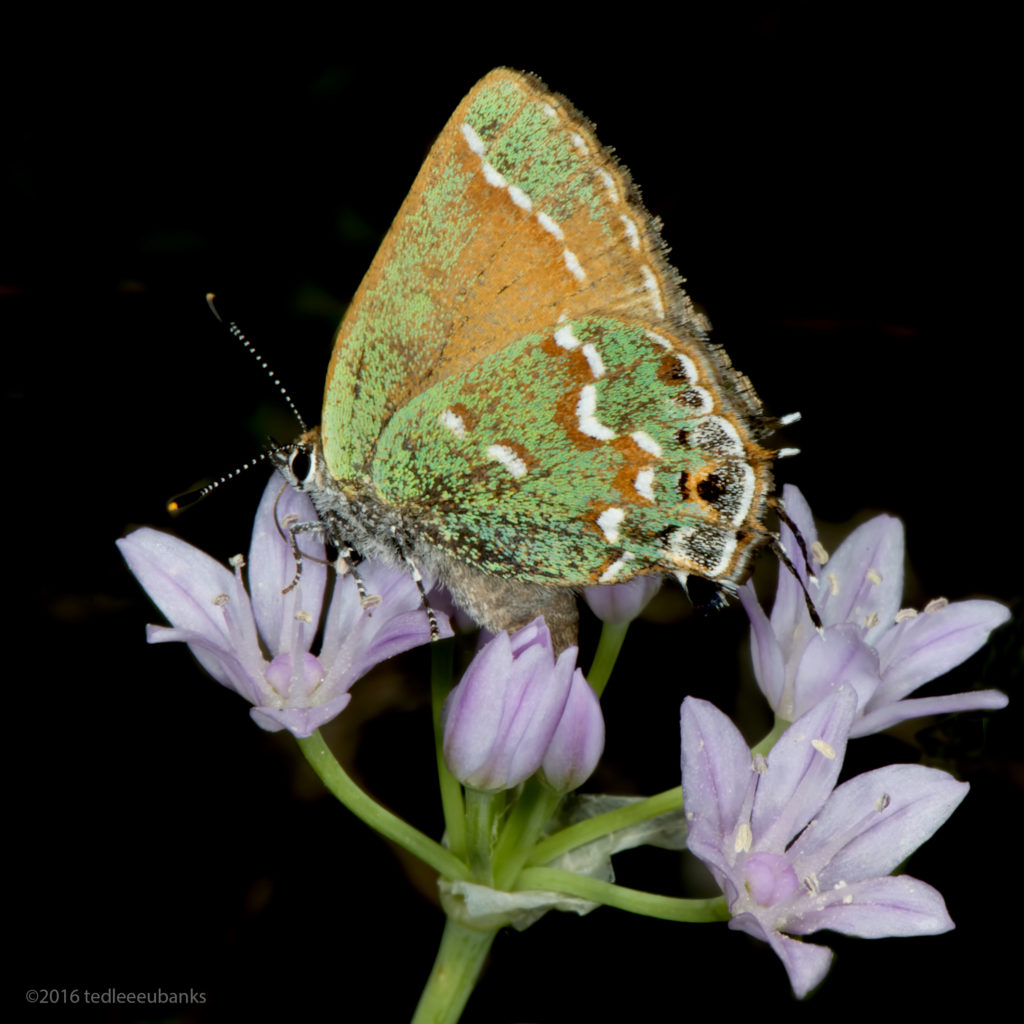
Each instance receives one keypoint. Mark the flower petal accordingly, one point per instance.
(578, 741)
(789, 612)
(873, 822)
(197, 594)
(769, 663)
(272, 566)
(802, 770)
(806, 963)
(863, 581)
(181, 580)
(357, 638)
(219, 661)
(472, 714)
(537, 710)
(835, 660)
(717, 775)
(930, 644)
(619, 603)
(905, 710)
(877, 908)
(300, 722)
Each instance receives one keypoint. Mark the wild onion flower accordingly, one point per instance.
(794, 856)
(619, 603)
(259, 646)
(518, 710)
(868, 643)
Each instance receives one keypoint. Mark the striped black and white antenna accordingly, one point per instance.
(180, 502)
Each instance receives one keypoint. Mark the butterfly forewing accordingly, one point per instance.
(518, 218)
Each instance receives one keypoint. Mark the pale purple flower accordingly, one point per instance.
(619, 603)
(578, 742)
(228, 632)
(868, 643)
(516, 709)
(794, 856)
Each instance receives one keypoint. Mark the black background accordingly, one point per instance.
(836, 189)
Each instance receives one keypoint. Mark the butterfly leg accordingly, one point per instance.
(344, 564)
(417, 577)
(291, 528)
(783, 557)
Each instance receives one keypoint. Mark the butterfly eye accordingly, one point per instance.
(301, 466)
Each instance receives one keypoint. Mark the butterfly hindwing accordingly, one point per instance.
(597, 424)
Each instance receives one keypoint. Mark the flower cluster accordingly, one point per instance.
(792, 852)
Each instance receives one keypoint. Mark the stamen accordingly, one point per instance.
(824, 748)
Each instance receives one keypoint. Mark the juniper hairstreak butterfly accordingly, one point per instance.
(522, 400)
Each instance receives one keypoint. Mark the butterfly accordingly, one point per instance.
(522, 400)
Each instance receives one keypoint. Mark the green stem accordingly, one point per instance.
(378, 818)
(771, 739)
(602, 824)
(459, 962)
(451, 792)
(608, 647)
(669, 908)
(532, 811)
(479, 806)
